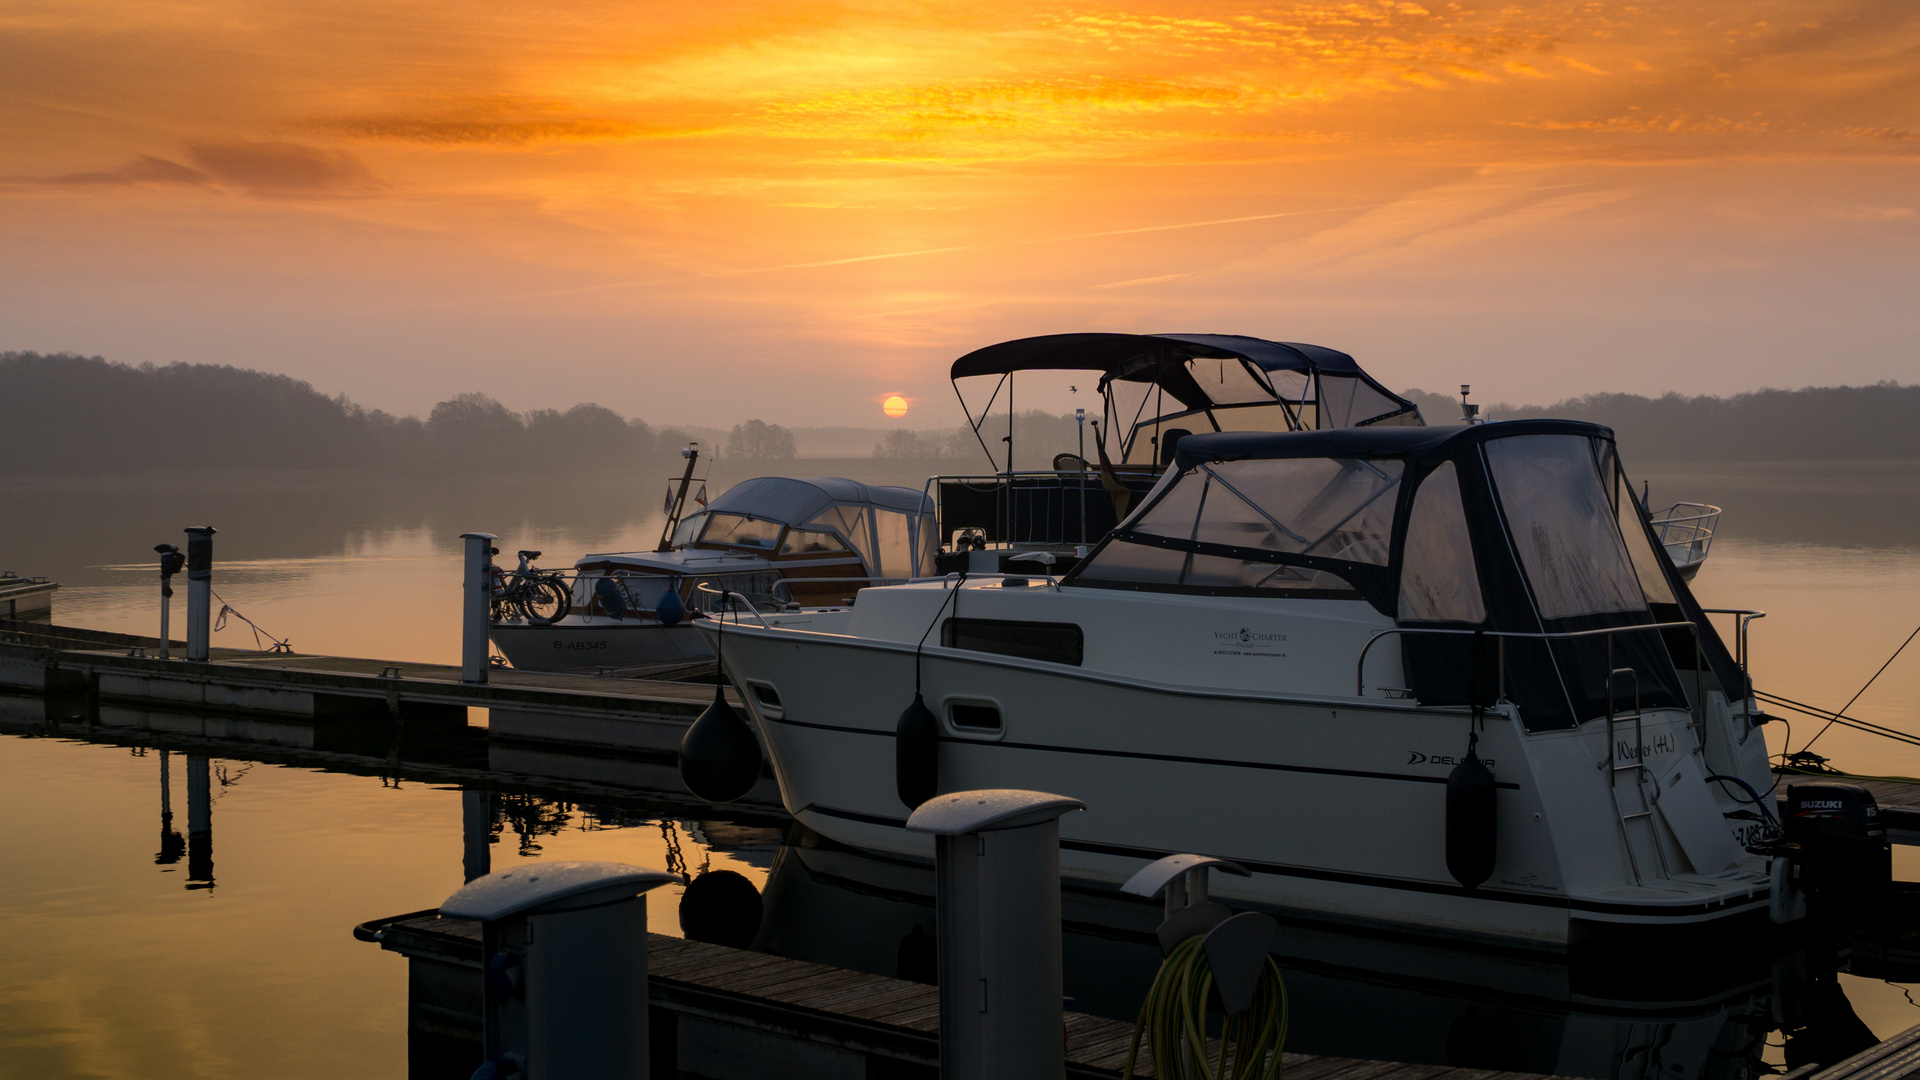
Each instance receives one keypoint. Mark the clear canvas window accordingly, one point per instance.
(812, 542)
(1439, 581)
(1646, 561)
(1563, 526)
(896, 544)
(852, 523)
(741, 531)
(1339, 508)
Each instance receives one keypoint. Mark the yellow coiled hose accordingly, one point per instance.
(1173, 1020)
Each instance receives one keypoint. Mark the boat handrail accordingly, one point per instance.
(1360, 666)
(1743, 617)
(723, 594)
(1690, 529)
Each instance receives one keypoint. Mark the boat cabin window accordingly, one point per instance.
(1438, 579)
(812, 542)
(1056, 643)
(1563, 526)
(688, 529)
(739, 530)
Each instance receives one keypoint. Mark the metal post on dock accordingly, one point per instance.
(478, 605)
(199, 822)
(199, 590)
(171, 560)
(564, 951)
(997, 883)
(476, 833)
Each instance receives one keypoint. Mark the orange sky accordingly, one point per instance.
(700, 213)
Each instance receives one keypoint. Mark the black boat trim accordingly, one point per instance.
(1180, 759)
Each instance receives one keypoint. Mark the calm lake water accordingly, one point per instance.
(126, 959)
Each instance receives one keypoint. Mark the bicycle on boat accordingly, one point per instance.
(538, 596)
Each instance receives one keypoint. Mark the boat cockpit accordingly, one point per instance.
(1515, 560)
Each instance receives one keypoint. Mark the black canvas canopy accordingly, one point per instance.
(1525, 527)
(1198, 375)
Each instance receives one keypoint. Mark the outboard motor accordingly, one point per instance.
(1846, 864)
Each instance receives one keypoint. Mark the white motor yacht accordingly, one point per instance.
(1281, 656)
(774, 542)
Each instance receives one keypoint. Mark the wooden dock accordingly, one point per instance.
(579, 710)
(725, 1013)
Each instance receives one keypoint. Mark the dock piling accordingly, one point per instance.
(199, 822)
(478, 597)
(199, 590)
(997, 886)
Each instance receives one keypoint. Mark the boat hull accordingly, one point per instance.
(1337, 807)
(597, 642)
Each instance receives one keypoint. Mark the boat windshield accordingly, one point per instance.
(689, 528)
(1265, 527)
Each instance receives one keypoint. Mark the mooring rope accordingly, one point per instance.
(220, 623)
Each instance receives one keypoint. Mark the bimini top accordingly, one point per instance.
(1190, 382)
(797, 502)
(1525, 527)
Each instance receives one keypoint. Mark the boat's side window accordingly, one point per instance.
(1563, 525)
(896, 543)
(739, 530)
(812, 542)
(1056, 643)
(1438, 579)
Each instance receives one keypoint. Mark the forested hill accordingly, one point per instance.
(68, 415)
(1829, 423)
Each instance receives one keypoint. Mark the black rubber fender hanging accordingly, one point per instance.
(1472, 838)
(719, 757)
(916, 754)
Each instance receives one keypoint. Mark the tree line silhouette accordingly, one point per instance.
(78, 415)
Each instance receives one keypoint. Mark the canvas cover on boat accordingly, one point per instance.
(890, 527)
(1151, 378)
(1526, 527)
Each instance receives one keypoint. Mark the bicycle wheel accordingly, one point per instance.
(545, 601)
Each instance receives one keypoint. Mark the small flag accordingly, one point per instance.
(668, 509)
(701, 498)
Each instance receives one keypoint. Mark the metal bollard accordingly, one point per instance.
(199, 590)
(171, 561)
(475, 615)
(997, 868)
(566, 968)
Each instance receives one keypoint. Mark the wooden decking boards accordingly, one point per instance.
(858, 1011)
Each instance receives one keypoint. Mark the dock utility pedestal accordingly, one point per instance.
(564, 947)
(997, 880)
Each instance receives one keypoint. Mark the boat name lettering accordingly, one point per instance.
(1415, 757)
(1248, 636)
(579, 645)
(1624, 750)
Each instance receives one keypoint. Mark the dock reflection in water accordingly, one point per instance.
(323, 827)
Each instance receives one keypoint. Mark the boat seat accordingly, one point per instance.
(529, 554)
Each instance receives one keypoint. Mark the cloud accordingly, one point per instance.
(283, 168)
(145, 169)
